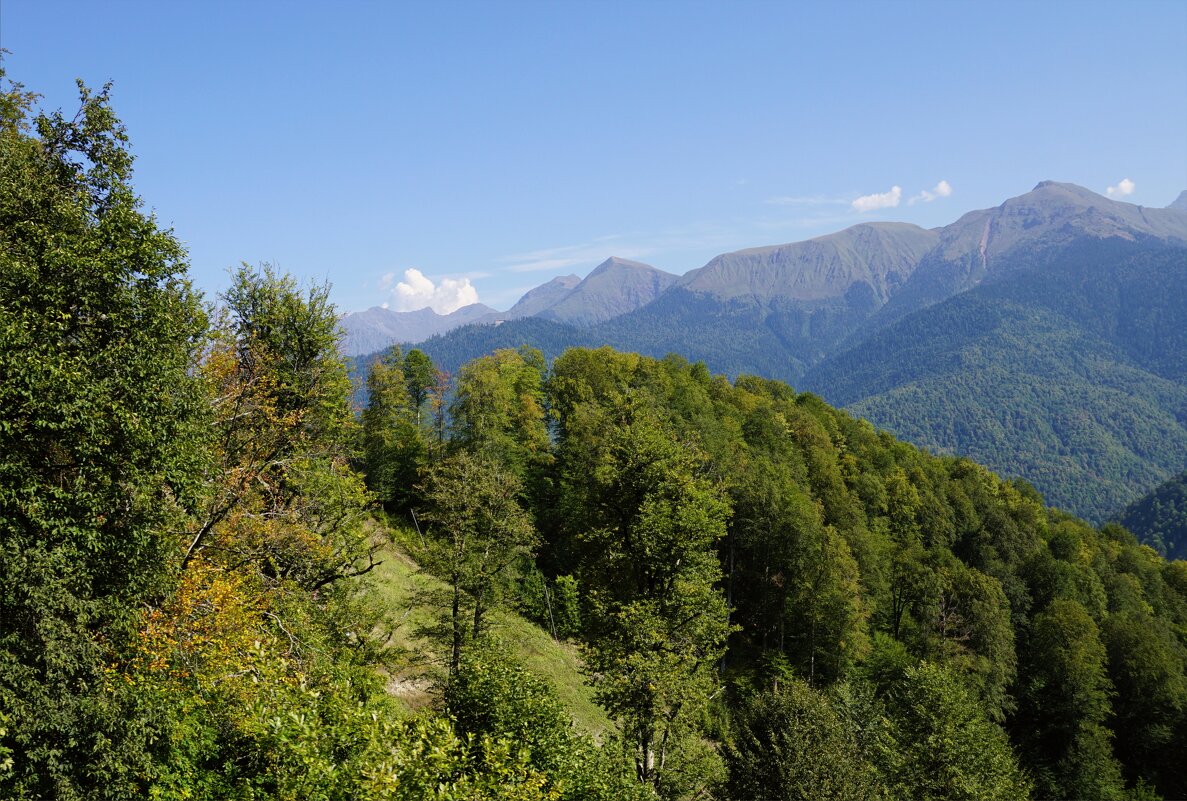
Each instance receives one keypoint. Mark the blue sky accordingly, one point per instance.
(493, 145)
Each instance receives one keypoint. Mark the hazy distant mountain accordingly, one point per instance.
(615, 287)
(543, 297)
(985, 244)
(377, 328)
(1180, 203)
(880, 256)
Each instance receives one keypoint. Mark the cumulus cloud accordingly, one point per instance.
(417, 291)
(1124, 187)
(942, 189)
(881, 200)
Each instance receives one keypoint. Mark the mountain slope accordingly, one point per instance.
(989, 243)
(543, 297)
(879, 255)
(377, 328)
(614, 287)
(1069, 373)
(1159, 519)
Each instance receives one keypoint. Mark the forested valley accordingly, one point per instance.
(770, 598)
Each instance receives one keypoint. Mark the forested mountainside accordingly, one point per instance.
(863, 581)
(1062, 358)
(769, 596)
(822, 296)
(1069, 372)
(1160, 518)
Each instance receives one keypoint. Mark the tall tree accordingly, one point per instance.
(1064, 706)
(281, 494)
(945, 746)
(420, 377)
(791, 744)
(657, 620)
(394, 447)
(498, 408)
(100, 445)
(1148, 667)
(478, 533)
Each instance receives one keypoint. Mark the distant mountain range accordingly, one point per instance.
(1045, 337)
(613, 288)
(379, 327)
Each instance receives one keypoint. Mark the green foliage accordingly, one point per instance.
(1147, 666)
(100, 441)
(945, 745)
(498, 409)
(792, 744)
(554, 604)
(492, 696)
(1159, 518)
(836, 536)
(478, 534)
(394, 446)
(282, 494)
(1064, 706)
(420, 378)
(646, 525)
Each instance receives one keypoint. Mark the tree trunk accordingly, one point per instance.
(456, 657)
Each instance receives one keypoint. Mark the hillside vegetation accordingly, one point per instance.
(1068, 372)
(1160, 518)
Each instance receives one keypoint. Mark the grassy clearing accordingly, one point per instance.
(404, 588)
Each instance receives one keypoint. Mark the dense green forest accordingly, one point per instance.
(771, 598)
(1160, 518)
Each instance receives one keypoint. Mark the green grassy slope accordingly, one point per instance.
(404, 586)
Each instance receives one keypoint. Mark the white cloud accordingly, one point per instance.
(942, 189)
(881, 200)
(1124, 187)
(417, 291)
